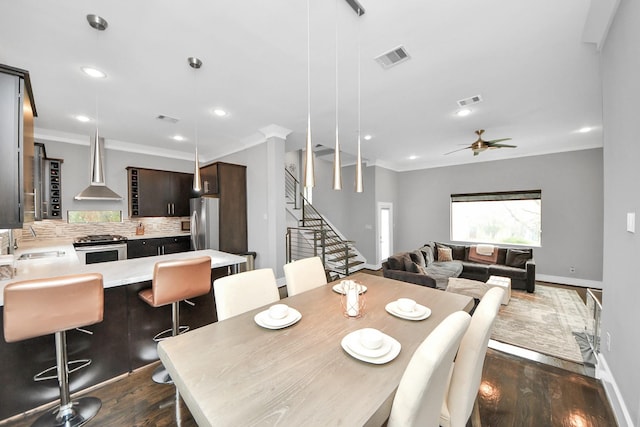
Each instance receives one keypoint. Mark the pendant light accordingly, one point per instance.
(196, 63)
(359, 187)
(337, 164)
(309, 174)
(97, 189)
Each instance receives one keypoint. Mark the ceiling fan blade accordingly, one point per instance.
(493, 141)
(459, 149)
(503, 146)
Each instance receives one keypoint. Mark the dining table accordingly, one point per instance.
(238, 373)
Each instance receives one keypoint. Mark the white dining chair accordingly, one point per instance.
(460, 399)
(242, 292)
(419, 396)
(304, 274)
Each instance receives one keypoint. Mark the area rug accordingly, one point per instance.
(543, 321)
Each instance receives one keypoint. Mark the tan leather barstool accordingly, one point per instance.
(174, 281)
(33, 308)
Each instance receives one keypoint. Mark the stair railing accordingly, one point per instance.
(312, 221)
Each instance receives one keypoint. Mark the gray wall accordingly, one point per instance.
(76, 175)
(572, 213)
(352, 213)
(620, 314)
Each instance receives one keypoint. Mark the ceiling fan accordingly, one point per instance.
(480, 144)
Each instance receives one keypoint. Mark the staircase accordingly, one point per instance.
(315, 236)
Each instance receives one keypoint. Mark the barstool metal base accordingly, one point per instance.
(161, 375)
(81, 411)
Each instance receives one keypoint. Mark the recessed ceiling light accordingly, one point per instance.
(219, 112)
(178, 137)
(367, 137)
(463, 112)
(93, 72)
(413, 157)
(83, 119)
(584, 129)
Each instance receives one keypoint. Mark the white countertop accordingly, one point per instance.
(115, 273)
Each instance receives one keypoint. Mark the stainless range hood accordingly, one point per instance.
(98, 190)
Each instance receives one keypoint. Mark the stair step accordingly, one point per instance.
(351, 264)
(342, 258)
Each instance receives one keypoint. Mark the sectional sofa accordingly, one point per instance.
(435, 262)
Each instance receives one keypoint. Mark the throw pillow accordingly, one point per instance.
(396, 262)
(427, 251)
(444, 254)
(414, 268)
(518, 257)
(457, 251)
(418, 258)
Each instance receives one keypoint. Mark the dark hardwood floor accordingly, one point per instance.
(519, 388)
(514, 392)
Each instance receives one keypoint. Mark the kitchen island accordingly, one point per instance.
(122, 342)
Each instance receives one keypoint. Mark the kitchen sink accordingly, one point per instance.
(38, 255)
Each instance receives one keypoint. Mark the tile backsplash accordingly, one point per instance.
(56, 229)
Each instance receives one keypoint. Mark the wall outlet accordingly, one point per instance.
(572, 269)
(608, 341)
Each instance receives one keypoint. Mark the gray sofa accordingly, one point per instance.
(422, 266)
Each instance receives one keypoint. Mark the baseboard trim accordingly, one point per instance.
(613, 393)
(573, 281)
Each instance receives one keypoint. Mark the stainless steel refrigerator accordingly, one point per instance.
(205, 223)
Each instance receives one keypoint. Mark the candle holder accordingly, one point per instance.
(352, 299)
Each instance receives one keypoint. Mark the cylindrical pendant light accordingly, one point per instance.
(359, 186)
(309, 173)
(196, 63)
(337, 164)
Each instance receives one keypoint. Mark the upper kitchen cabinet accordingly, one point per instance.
(17, 110)
(158, 193)
(228, 182)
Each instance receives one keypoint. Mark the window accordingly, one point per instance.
(507, 217)
(93, 216)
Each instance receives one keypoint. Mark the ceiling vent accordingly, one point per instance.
(167, 119)
(393, 57)
(470, 101)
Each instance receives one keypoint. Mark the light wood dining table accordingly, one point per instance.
(236, 373)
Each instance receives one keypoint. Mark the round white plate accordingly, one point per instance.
(420, 313)
(393, 352)
(338, 288)
(263, 319)
(355, 344)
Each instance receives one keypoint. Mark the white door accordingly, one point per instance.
(385, 230)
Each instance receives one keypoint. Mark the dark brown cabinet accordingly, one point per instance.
(139, 248)
(154, 193)
(228, 182)
(17, 111)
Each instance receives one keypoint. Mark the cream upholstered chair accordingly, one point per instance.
(239, 293)
(459, 400)
(304, 274)
(419, 396)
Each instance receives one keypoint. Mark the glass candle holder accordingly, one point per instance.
(352, 299)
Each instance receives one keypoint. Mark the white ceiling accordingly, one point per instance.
(540, 82)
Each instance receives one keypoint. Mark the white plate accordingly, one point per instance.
(263, 319)
(338, 288)
(388, 357)
(354, 343)
(420, 313)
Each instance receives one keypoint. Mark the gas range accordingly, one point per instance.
(99, 239)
